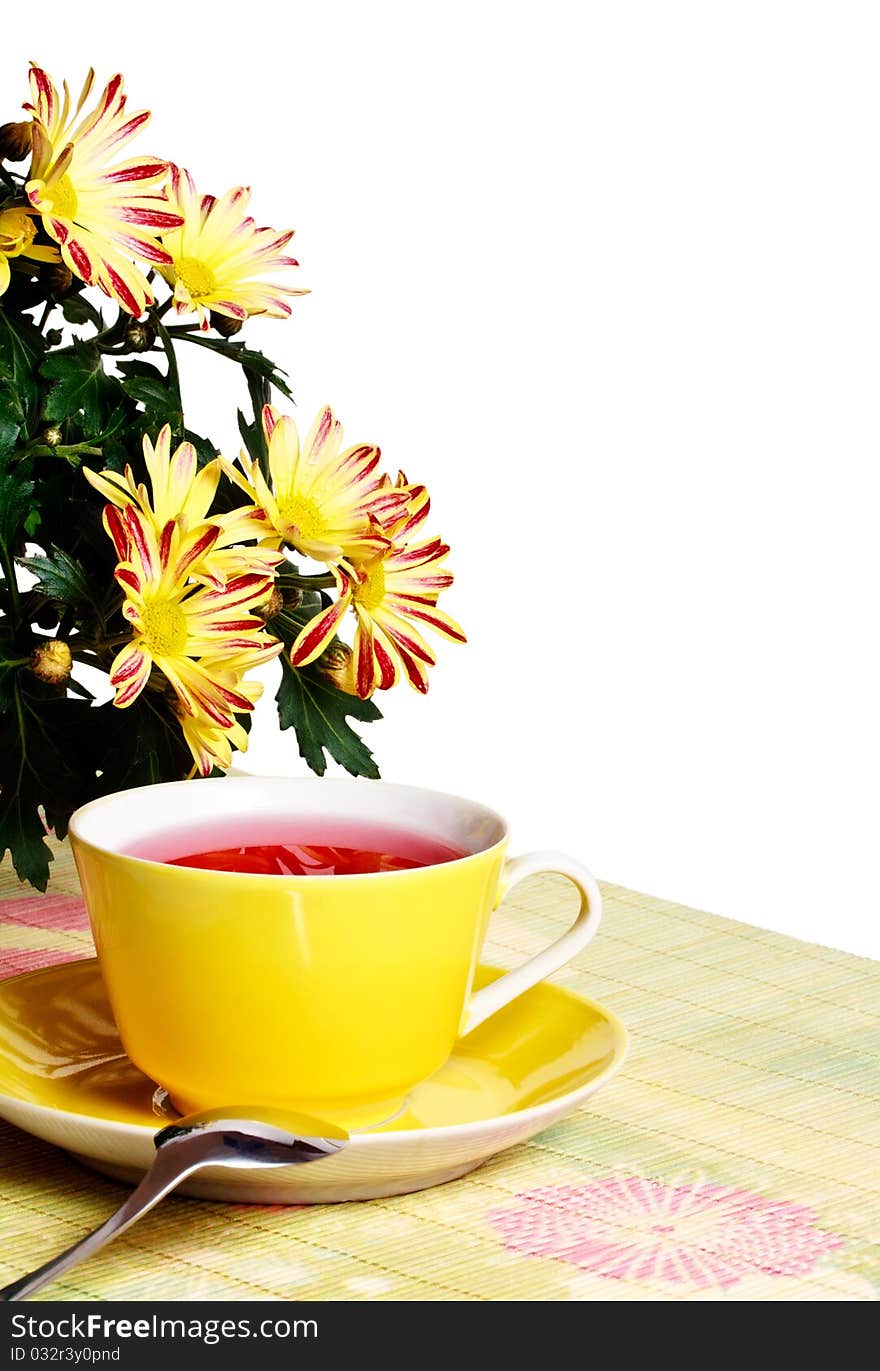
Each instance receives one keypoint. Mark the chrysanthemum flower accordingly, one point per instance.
(180, 490)
(17, 234)
(218, 256)
(101, 215)
(201, 638)
(326, 503)
(397, 587)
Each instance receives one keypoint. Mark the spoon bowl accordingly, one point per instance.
(236, 1135)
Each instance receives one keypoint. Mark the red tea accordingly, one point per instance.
(296, 846)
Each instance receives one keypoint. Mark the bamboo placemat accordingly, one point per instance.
(737, 1156)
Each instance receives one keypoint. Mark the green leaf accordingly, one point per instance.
(253, 438)
(258, 390)
(23, 834)
(149, 386)
(10, 661)
(80, 387)
(62, 578)
(12, 417)
(141, 749)
(16, 499)
(21, 346)
(205, 449)
(310, 704)
(47, 745)
(78, 310)
(248, 358)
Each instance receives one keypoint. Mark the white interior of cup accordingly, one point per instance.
(178, 812)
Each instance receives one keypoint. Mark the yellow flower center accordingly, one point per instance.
(371, 591)
(164, 628)
(64, 198)
(197, 279)
(17, 232)
(304, 515)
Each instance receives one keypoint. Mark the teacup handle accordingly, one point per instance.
(492, 997)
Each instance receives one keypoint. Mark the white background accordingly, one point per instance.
(605, 276)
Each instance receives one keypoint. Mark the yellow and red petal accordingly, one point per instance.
(325, 436)
(416, 672)
(437, 619)
(111, 485)
(243, 660)
(284, 456)
(403, 634)
(407, 556)
(196, 690)
(116, 530)
(365, 669)
(129, 673)
(142, 542)
(318, 632)
(187, 550)
(355, 466)
(270, 417)
(387, 658)
(415, 511)
(249, 588)
(129, 579)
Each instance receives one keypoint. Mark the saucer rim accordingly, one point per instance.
(621, 1040)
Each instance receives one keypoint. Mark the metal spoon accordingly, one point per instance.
(235, 1136)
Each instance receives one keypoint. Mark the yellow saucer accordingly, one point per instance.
(65, 1078)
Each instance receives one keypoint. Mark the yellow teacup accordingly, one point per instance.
(333, 994)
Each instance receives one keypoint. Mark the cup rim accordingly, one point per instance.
(325, 782)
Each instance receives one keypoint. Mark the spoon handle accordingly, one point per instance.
(170, 1166)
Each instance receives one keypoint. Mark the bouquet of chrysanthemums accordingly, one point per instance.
(128, 544)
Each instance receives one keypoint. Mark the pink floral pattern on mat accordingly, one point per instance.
(67, 913)
(696, 1234)
(16, 961)
(55, 914)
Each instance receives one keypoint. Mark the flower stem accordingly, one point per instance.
(81, 644)
(9, 575)
(322, 581)
(107, 341)
(70, 451)
(171, 359)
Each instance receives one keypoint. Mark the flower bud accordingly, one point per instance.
(273, 606)
(293, 597)
(55, 278)
(54, 336)
(51, 661)
(226, 327)
(52, 436)
(337, 664)
(15, 141)
(140, 335)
